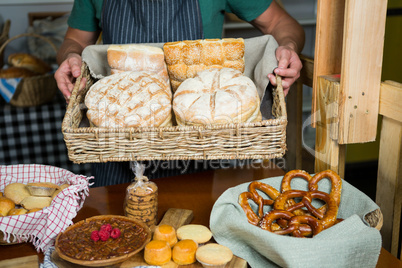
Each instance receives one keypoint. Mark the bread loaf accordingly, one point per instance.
(29, 62)
(16, 72)
(16, 192)
(185, 58)
(129, 99)
(136, 57)
(217, 96)
(6, 205)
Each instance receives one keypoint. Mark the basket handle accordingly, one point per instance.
(279, 92)
(27, 34)
(6, 30)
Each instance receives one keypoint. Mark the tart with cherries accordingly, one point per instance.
(102, 240)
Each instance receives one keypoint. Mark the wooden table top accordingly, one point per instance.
(197, 192)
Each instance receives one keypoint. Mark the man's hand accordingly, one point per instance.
(290, 37)
(69, 59)
(289, 66)
(67, 74)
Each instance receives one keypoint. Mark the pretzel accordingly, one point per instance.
(296, 224)
(271, 192)
(300, 219)
(285, 186)
(327, 219)
(336, 182)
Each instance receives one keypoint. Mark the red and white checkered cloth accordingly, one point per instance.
(42, 227)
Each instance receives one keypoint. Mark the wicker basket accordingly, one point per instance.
(36, 90)
(85, 144)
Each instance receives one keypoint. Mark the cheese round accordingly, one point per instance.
(217, 96)
(129, 99)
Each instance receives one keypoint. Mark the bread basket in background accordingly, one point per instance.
(35, 90)
(265, 139)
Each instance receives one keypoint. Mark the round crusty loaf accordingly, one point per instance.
(136, 58)
(217, 96)
(129, 99)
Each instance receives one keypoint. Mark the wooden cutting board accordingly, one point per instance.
(174, 217)
(23, 262)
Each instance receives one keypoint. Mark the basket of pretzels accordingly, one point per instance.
(299, 220)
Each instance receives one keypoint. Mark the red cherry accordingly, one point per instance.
(115, 233)
(95, 236)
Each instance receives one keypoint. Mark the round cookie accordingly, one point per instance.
(199, 233)
(213, 254)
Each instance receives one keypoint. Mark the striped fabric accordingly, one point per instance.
(8, 87)
(151, 21)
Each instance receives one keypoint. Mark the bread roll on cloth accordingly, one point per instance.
(185, 58)
(129, 99)
(217, 96)
(136, 57)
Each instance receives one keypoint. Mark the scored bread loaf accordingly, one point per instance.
(217, 96)
(185, 58)
(129, 99)
(136, 57)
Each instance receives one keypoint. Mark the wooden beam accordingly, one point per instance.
(389, 182)
(294, 107)
(390, 100)
(329, 154)
(307, 72)
(328, 43)
(362, 55)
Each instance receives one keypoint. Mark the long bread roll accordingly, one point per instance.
(185, 58)
(136, 57)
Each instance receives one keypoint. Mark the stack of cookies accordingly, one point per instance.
(142, 203)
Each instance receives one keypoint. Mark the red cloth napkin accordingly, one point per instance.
(42, 227)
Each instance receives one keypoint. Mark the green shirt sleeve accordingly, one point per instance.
(213, 12)
(86, 15)
(247, 10)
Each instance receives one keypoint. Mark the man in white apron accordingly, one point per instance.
(158, 21)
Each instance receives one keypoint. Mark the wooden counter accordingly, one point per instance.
(197, 192)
